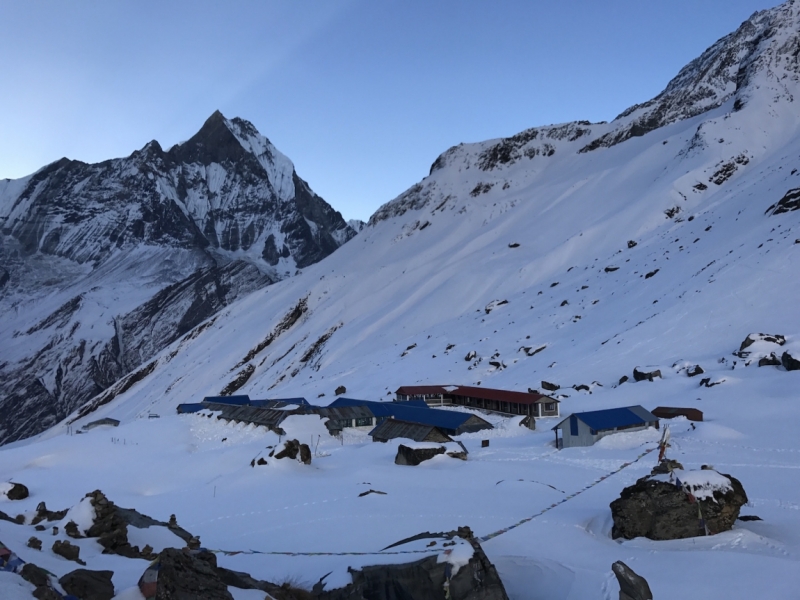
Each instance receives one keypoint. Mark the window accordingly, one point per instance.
(364, 422)
(550, 406)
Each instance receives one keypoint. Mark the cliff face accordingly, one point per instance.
(103, 265)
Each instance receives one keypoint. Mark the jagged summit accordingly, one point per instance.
(173, 236)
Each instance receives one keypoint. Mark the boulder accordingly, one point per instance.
(111, 522)
(790, 363)
(305, 454)
(759, 337)
(694, 371)
(291, 448)
(35, 543)
(769, 361)
(639, 375)
(550, 387)
(67, 550)
(183, 575)
(71, 529)
(17, 492)
(340, 390)
(623, 379)
(668, 507)
(425, 579)
(631, 585)
(88, 585)
(43, 514)
(35, 575)
(414, 456)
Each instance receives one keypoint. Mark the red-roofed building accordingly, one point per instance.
(501, 401)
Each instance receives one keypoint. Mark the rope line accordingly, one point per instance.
(484, 538)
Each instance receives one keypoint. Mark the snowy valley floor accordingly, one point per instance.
(199, 469)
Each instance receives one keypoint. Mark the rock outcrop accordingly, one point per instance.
(88, 585)
(678, 505)
(17, 492)
(789, 362)
(640, 375)
(414, 456)
(426, 579)
(631, 585)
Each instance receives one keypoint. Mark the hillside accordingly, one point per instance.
(569, 253)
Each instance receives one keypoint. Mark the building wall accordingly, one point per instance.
(585, 436)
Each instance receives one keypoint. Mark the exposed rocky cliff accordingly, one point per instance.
(103, 265)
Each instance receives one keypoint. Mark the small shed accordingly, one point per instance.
(670, 412)
(396, 428)
(585, 428)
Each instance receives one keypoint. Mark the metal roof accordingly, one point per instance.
(444, 419)
(396, 428)
(610, 418)
(237, 400)
(475, 392)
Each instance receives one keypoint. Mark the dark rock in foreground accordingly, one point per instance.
(658, 509)
(631, 585)
(413, 456)
(88, 585)
(425, 579)
(17, 492)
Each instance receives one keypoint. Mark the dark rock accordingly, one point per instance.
(71, 529)
(425, 579)
(17, 492)
(35, 543)
(550, 387)
(111, 522)
(46, 593)
(291, 448)
(368, 492)
(581, 388)
(623, 379)
(340, 390)
(790, 363)
(67, 550)
(660, 510)
(769, 361)
(565, 303)
(511, 245)
(694, 371)
(5, 517)
(42, 514)
(611, 269)
(305, 454)
(414, 456)
(184, 576)
(666, 466)
(88, 585)
(651, 274)
(789, 202)
(631, 585)
(639, 375)
(35, 575)
(750, 518)
(631, 244)
(459, 455)
(261, 461)
(470, 355)
(760, 337)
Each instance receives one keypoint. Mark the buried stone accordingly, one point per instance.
(88, 585)
(640, 375)
(631, 585)
(414, 456)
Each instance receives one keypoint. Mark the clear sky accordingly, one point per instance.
(362, 95)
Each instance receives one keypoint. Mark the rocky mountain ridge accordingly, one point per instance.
(105, 264)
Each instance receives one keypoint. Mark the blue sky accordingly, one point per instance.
(362, 95)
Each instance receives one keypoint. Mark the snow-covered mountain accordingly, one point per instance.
(569, 253)
(535, 240)
(103, 265)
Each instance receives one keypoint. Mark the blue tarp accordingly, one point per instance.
(190, 408)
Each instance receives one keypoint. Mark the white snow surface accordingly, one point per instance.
(405, 301)
(700, 483)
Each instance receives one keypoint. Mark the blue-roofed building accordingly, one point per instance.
(450, 422)
(585, 428)
(233, 400)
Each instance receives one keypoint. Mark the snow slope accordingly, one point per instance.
(660, 250)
